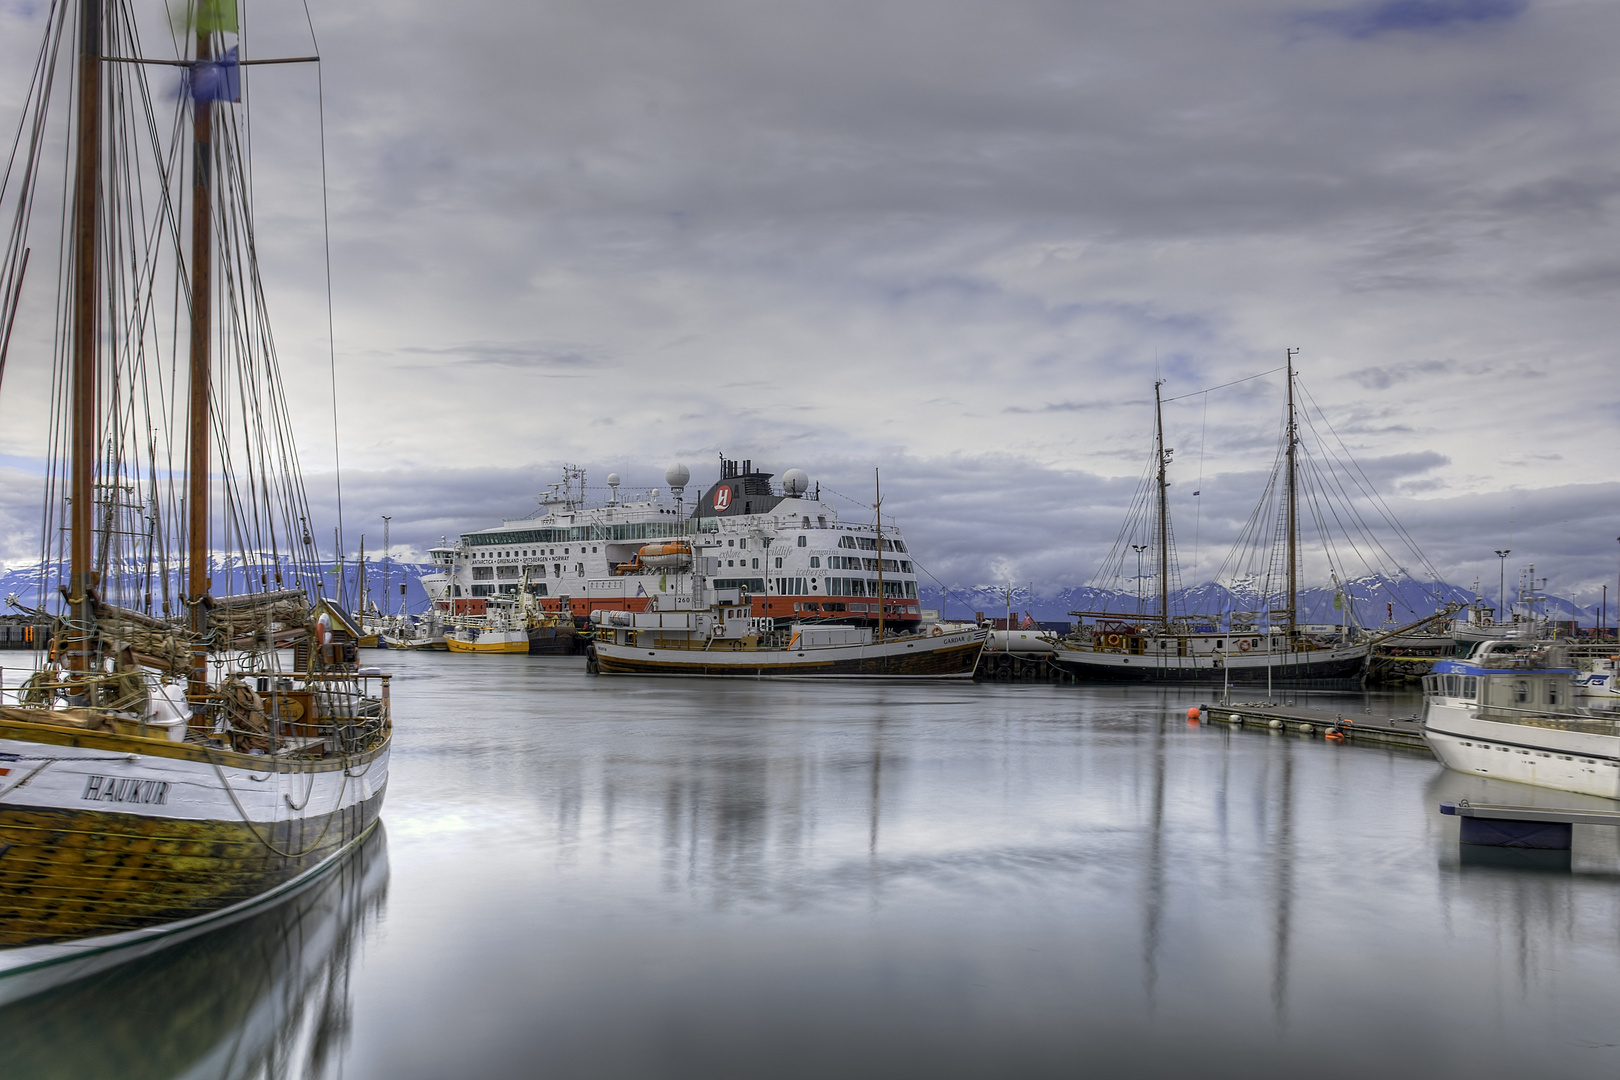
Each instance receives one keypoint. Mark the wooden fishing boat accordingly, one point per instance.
(192, 748)
(710, 631)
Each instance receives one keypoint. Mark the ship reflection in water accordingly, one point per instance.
(620, 877)
(266, 997)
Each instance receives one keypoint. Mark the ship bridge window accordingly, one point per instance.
(846, 541)
(806, 522)
(821, 520)
(1470, 688)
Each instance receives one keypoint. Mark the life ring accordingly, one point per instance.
(1243, 645)
(938, 632)
(1113, 639)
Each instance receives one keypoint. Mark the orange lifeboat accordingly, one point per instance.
(671, 555)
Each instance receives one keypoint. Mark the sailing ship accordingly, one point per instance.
(1507, 711)
(191, 749)
(1256, 648)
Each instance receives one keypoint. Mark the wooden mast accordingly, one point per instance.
(877, 481)
(86, 332)
(202, 257)
(1293, 508)
(1164, 514)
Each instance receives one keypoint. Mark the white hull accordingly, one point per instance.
(1597, 685)
(1541, 756)
(80, 778)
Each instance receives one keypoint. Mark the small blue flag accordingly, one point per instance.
(219, 79)
(1195, 493)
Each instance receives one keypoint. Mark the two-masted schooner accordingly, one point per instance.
(197, 742)
(1260, 648)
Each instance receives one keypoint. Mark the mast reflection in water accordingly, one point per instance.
(266, 997)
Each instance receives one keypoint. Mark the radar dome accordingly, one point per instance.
(794, 482)
(613, 479)
(676, 476)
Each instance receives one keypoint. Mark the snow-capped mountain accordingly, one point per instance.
(1374, 599)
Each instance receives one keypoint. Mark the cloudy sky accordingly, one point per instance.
(957, 240)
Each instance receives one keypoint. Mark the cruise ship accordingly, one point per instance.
(789, 553)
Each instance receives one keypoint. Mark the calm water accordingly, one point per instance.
(604, 878)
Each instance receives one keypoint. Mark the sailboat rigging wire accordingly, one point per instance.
(1198, 506)
(326, 229)
(1371, 492)
(1222, 386)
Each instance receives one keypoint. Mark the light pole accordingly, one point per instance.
(1501, 583)
(388, 576)
(1139, 548)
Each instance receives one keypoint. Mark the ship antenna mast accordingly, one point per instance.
(86, 334)
(1293, 506)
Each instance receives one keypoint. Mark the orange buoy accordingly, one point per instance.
(1335, 734)
(1194, 713)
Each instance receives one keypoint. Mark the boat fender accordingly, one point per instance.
(1244, 645)
(938, 632)
(323, 628)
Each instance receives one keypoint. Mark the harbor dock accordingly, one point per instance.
(1402, 731)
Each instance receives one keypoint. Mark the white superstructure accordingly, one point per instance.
(788, 552)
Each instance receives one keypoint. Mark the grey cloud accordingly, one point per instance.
(507, 354)
(956, 238)
(1382, 378)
